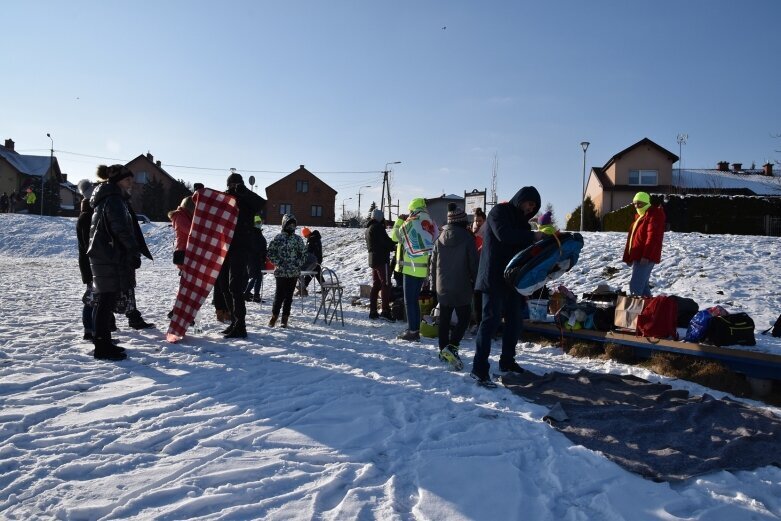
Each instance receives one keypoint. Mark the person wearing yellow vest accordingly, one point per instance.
(414, 234)
(30, 199)
(643, 248)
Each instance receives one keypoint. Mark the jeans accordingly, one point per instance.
(638, 284)
(412, 287)
(507, 301)
(445, 314)
(254, 285)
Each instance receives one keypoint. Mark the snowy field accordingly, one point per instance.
(324, 422)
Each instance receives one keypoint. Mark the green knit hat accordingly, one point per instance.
(642, 197)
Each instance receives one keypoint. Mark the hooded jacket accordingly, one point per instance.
(378, 244)
(507, 232)
(646, 240)
(82, 238)
(181, 220)
(249, 204)
(454, 264)
(113, 249)
(419, 221)
(314, 246)
(287, 251)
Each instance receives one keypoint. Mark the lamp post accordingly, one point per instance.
(51, 168)
(359, 200)
(344, 213)
(585, 145)
(386, 186)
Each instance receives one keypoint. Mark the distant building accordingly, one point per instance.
(304, 195)
(437, 207)
(20, 171)
(648, 167)
(156, 205)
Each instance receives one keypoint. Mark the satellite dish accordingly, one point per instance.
(252, 180)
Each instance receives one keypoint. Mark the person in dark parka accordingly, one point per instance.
(314, 249)
(113, 253)
(256, 262)
(453, 270)
(233, 276)
(380, 245)
(507, 232)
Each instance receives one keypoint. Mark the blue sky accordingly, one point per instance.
(346, 86)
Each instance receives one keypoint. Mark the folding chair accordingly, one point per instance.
(330, 297)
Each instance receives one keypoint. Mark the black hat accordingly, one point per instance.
(113, 173)
(456, 215)
(235, 179)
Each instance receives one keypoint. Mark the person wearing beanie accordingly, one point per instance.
(379, 246)
(314, 258)
(454, 264)
(643, 249)
(233, 277)
(288, 253)
(415, 234)
(256, 262)
(507, 232)
(545, 224)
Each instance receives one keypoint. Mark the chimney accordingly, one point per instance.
(64, 178)
(158, 164)
(723, 166)
(9, 144)
(768, 169)
(737, 167)
(149, 156)
(301, 167)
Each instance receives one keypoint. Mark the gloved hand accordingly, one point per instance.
(179, 257)
(136, 262)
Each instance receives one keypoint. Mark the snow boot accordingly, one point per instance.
(238, 331)
(449, 354)
(105, 350)
(374, 315)
(248, 296)
(135, 320)
(284, 320)
(387, 316)
(411, 336)
(510, 367)
(273, 320)
(228, 329)
(483, 380)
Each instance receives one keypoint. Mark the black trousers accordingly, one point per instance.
(445, 313)
(233, 281)
(283, 297)
(103, 316)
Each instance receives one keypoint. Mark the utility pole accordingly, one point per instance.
(51, 169)
(681, 139)
(386, 187)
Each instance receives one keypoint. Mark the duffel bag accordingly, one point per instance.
(729, 330)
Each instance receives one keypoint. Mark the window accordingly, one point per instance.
(141, 178)
(644, 177)
(285, 208)
(317, 210)
(302, 186)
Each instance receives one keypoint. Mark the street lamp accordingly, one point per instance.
(585, 145)
(51, 168)
(359, 200)
(386, 186)
(344, 213)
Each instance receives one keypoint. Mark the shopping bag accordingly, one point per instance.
(627, 310)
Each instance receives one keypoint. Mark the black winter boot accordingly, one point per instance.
(284, 320)
(238, 331)
(105, 350)
(135, 320)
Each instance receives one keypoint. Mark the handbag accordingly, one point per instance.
(628, 309)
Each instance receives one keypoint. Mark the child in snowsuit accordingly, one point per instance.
(288, 253)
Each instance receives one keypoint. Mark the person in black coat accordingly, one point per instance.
(233, 275)
(379, 245)
(113, 253)
(507, 232)
(256, 262)
(314, 250)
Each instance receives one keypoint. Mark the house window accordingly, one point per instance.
(285, 208)
(141, 178)
(644, 177)
(302, 186)
(317, 210)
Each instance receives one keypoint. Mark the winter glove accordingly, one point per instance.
(179, 257)
(136, 262)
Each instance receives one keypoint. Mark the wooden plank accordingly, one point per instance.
(751, 363)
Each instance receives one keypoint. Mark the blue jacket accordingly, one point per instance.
(507, 231)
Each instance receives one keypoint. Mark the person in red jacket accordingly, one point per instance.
(643, 247)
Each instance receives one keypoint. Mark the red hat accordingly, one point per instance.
(306, 232)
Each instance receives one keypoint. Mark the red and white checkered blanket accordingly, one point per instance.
(212, 229)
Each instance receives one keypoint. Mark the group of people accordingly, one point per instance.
(8, 203)
(463, 266)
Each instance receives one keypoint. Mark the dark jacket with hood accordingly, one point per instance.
(82, 237)
(257, 253)
(314, 246)
(113, 249)
(454, 266)
(507, 232)
(378, 243)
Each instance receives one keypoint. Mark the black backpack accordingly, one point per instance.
(732, 329)
(687, 308)
(775, 330)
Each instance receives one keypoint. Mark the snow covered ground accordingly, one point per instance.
(323, 422)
